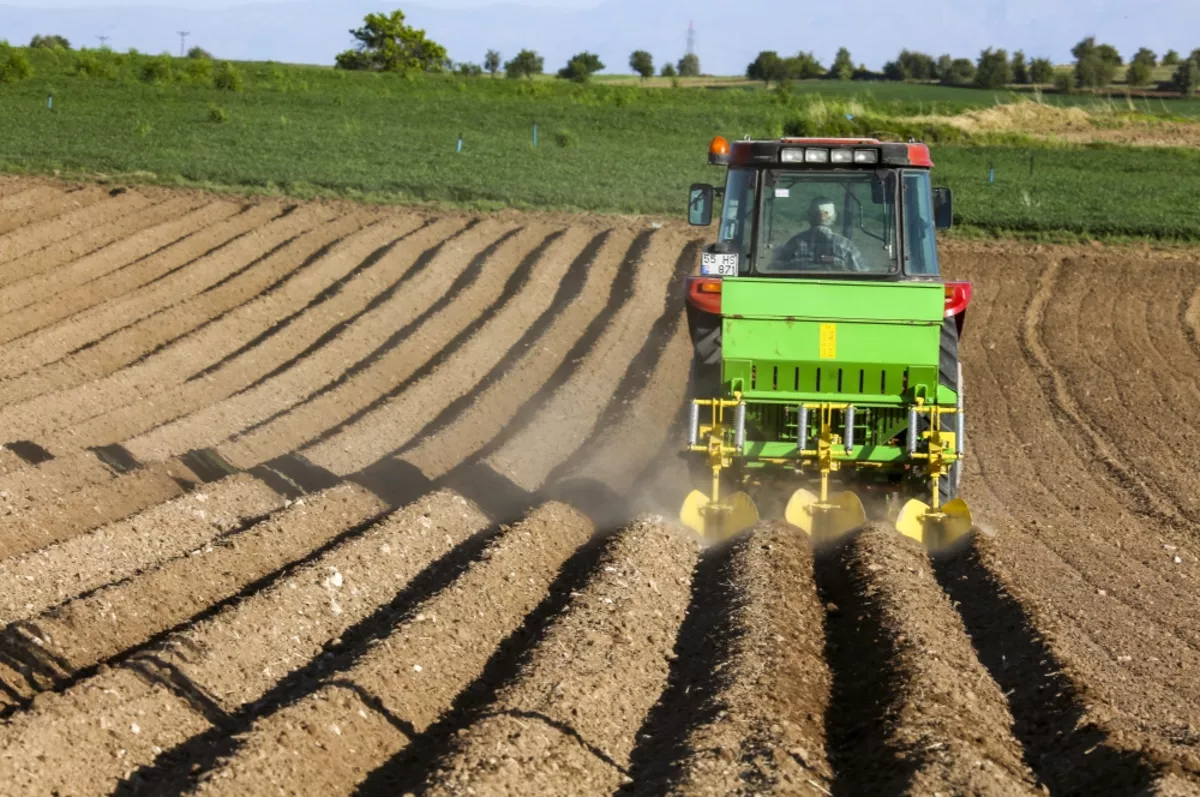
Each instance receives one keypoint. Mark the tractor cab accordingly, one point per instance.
(825, 341)
(842, 208)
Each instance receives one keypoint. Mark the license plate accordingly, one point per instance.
(718, 265)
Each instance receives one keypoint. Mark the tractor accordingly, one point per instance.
(825, 343)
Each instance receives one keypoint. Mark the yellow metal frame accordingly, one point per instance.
(719, 455)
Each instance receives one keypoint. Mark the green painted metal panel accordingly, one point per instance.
(772, 450)
(853, 342)
(895, 302)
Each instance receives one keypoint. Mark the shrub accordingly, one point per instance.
(228, 78)
(199, 71)
(88, 63)
(156, 70)
(217, 115)
(14, 65)
(565, 138)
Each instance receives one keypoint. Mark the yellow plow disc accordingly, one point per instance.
(825, 520)
(935, 528)
(719, 521)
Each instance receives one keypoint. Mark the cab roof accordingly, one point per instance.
(768, 152)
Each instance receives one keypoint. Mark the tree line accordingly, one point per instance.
(386, 44)
(1096, 66)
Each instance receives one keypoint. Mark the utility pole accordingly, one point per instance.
(691, 39)
(103, 41)
(183, 34)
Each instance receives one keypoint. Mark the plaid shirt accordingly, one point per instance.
(817, 247)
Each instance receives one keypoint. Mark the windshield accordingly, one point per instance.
(828, 222)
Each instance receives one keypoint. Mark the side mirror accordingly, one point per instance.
(943, 208)
(700, 205)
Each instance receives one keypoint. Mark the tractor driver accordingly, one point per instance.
(819, 245)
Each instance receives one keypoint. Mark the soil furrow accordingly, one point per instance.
(437, 369)
(349, 338)
(565, 421)
(743, 713)
(35, 582)
(59, 646)
(1068, 747)
(60, 517)
(397, 230)
(197, 679)
(405, 356)
(241, 239)
(1110, 593)
(495, 292)
(52, 217)
(163, 347)
(23, 197)
(588, 684)
(498, 398)
(122, 234)
(179, 400)
(913, 710)
(52, 295)
(366, 716)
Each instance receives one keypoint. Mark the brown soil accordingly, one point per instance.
(746, 710)
(574, 709)
(257, 458)
(913, 710)
(366, 716)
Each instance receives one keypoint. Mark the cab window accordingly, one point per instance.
(920, 254)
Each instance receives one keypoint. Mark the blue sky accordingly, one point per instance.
(313, 31)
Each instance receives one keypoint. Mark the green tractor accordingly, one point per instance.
(825, 343)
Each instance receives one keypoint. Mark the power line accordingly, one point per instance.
(183, 34)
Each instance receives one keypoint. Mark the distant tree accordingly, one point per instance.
(1146, 56)
(1171, 58)
(802, 66)
(491, 62)
(843, 66)
(1095, 64)
(962, 73)
(1064, 83)
(910, 65)
(1041, 71)
(467, 69)
(689, 66)
(386, 44)
(668, 70)
(993, 70)
(51, 42)
(943, 67)
(1187, 76)
(1019, 68)
(527, 63)
(767, 67)
(642, 63)
(1139, 73)
(581, 67)
(199, 53)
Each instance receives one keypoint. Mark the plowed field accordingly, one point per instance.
(330, 499)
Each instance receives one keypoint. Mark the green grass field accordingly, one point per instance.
(311, 131)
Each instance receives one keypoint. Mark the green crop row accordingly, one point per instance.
(313, 131)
